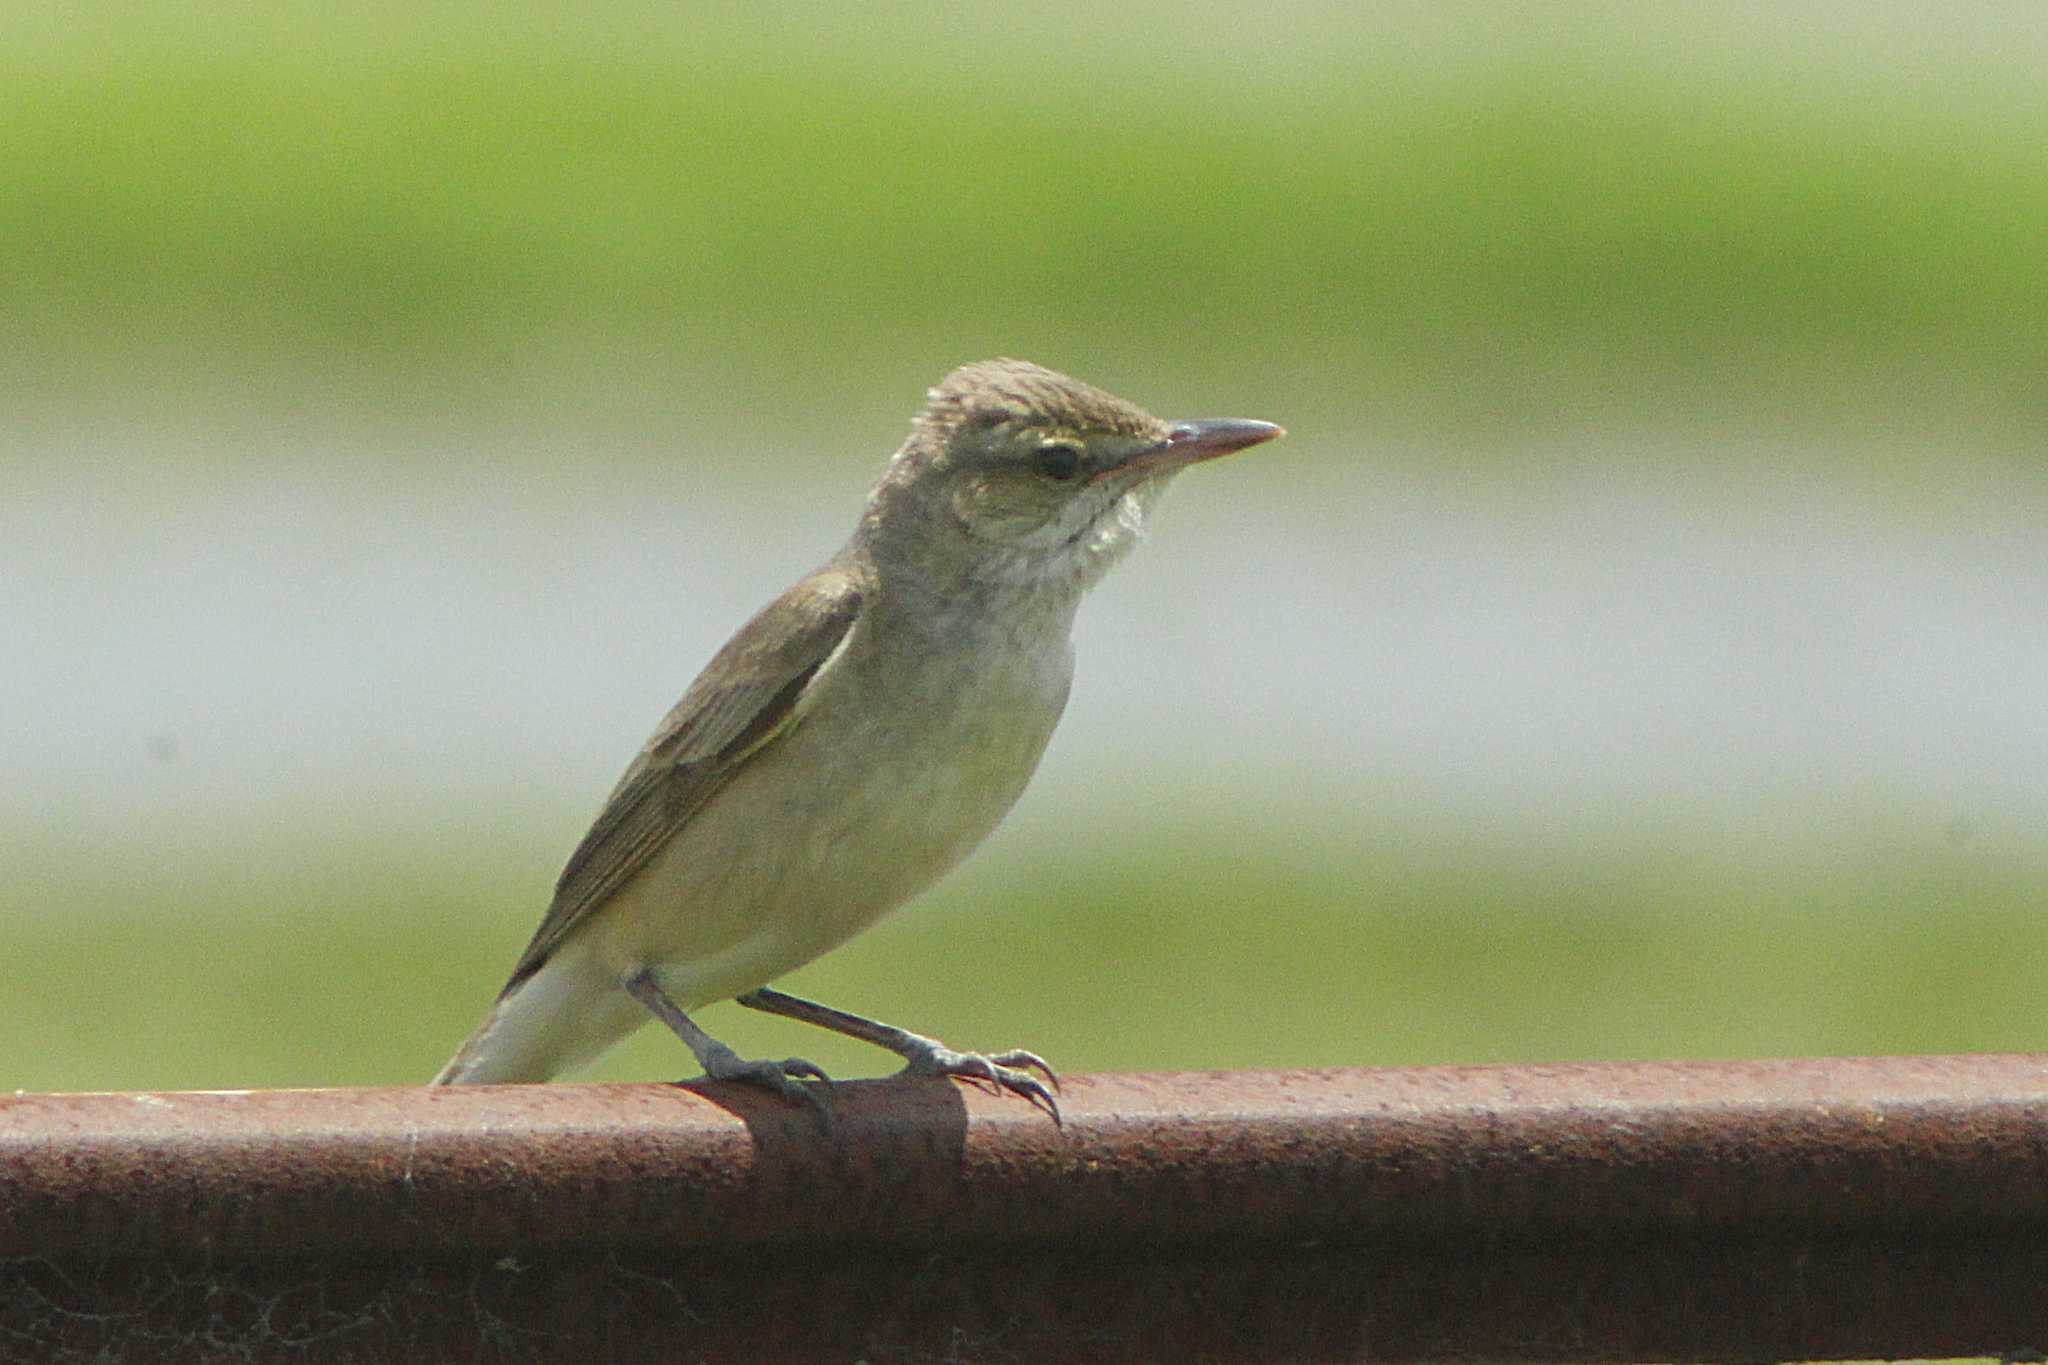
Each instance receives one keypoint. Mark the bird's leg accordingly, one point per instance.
(926, 1056)
(720, 1062)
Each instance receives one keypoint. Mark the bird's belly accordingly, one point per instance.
(816, 839)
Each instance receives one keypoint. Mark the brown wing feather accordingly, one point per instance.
(746, 696)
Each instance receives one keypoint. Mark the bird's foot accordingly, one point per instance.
(1003, 1071)
(786, 1077)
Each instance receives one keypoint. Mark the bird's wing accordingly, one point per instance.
(753, 691)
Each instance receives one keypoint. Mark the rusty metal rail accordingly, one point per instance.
(1704, 1211)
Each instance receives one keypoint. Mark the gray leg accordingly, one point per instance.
(926, 1056)
(720, 1062)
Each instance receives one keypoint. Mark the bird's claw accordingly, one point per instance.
(786, 1077)
(1020, 1057)
(1003, 1072)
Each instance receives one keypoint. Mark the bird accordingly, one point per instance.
(853, 742)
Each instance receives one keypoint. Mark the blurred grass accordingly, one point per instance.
(1528, 227)
(1213, 948)
(229, 233)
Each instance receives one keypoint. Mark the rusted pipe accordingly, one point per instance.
(1703, 1211)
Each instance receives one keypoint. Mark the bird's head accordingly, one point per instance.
(1018, 476)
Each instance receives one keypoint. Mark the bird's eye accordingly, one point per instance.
(1057, 460)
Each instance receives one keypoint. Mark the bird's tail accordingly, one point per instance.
(484, 1058)
(556, 1020)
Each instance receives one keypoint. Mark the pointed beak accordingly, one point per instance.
(1189, 443)
(1209, 437)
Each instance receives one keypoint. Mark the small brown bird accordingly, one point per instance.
(854, 741)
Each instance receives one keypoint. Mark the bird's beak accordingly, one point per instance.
(1209, 437)
(1205, 438)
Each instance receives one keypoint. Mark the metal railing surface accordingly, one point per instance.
(1723, 1211)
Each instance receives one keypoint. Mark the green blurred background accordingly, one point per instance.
(1635, 650)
